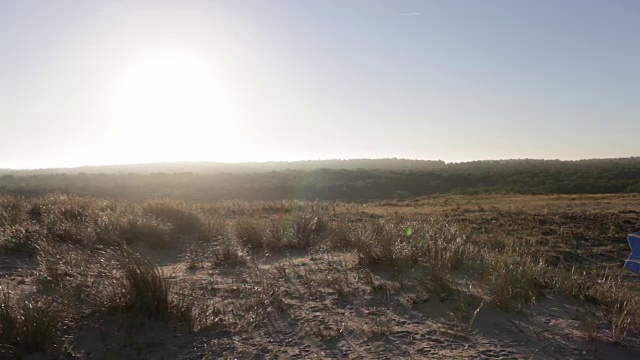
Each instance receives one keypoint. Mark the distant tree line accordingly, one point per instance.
(357, 184)
(245, 167)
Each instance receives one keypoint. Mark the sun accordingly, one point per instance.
(170, 105)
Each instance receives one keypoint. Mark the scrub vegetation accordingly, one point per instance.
(455, 276)
(347, 180)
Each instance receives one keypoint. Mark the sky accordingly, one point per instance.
(119, 82)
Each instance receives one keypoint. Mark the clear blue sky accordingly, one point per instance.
(97, 82)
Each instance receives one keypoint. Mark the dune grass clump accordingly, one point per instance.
(222, 251)
(69, 219)
(184, 218)
(305, 228)
(513, 278)
(274, 232)
(375, 243)
(514, 281)
(12, 211)
(433, 243)
(436, 243)
(213, 227)
(20, 240)
(227, 251)
(619, 304)
(52, 264)
(147, 231)
(339, 235)
(29, 325)
(249, 233)
(146, 293)
(68, 272)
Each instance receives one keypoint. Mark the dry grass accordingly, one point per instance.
(249, 233)
(148, 231)
(185, 219)
(28, 325)
(146, 292)
(338, 270)
(514, 280)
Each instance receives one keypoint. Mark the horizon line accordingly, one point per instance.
(307, 160)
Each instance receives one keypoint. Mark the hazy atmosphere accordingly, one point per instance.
(94, 82)
(320, 179)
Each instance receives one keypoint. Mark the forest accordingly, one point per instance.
(340, 180)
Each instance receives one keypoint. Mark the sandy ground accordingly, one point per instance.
(298, 305)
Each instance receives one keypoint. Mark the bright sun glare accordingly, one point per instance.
(169, 105)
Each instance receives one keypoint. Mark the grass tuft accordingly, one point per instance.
(514, 281)
(249, 233)
(146, 292)
(29, 326)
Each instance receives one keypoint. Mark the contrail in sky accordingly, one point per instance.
(409, 14)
